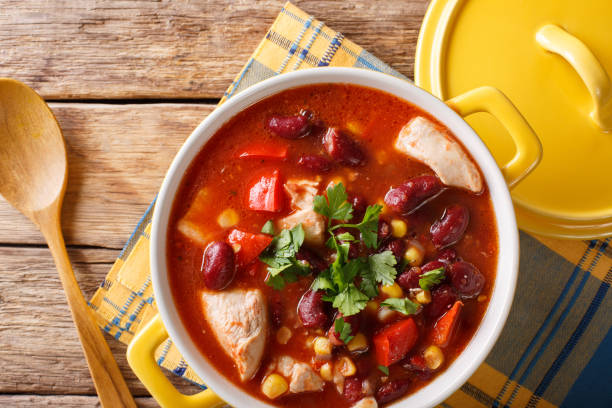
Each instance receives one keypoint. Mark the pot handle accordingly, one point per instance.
(555, 39)
(141, 357)
(528, 146)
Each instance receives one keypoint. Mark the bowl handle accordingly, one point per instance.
(555, 39)
(528, 146)
(140, 356)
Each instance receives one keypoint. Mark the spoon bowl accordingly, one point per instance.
(33, 177)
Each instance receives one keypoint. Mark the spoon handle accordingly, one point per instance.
(110, 385)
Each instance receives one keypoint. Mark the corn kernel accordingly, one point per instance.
(414, 255)
(354, 128)
(309, 341)
(274, 386)
(228, 218)
(358, 343)
(346, 367)
(481, 298)
(336, 180)
(398, 228)
(372, 306)
(283, 335)
(393, 291)
(326, 372)
(433, 357)
(423, 297)
(322, 346)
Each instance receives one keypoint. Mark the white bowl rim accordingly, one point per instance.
(507, 266)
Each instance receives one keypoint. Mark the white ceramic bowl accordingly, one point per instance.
(507, 266)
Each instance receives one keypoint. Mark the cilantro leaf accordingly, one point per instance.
(382, 267)
(402, 305)
(283, 266)
(350, 301)
(335, 207)
(369, 226)
(268, 228)
(368, 283)
(323, 282)
(344, 330)
(431, 278)
(345, 236)
(383, 369)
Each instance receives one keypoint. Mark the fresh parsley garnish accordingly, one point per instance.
(268, 228)
(350, 301)
(431, 278)
(280, 256)
(344, 330)
(402, 305)
(382, 266)
(384, 369)
(335, 206)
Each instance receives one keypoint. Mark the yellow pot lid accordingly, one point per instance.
(553, 59)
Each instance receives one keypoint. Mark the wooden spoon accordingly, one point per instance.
(33, 176)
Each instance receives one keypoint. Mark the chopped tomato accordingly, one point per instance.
(395, 341)
(264, 151)
(267, 193)
(446, 326)
(247, 246)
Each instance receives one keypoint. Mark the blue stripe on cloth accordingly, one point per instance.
(543, 348)
(164, 352)
(573, 340)
(244, 71)
(306, 49)
(592, 388)
(295, 45)
(140, 227)
(545, 324)
(331, 50)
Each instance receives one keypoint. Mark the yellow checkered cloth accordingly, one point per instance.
(555, 349)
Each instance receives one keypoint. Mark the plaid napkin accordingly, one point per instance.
(556, 348)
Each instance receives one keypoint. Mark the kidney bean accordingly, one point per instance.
(360, 205)
(313, 310)
(466, 278)
(417, 366)
(315, 163)
(354, 321)
(352, 389)
(342, 148)
(289, 127)
(317, 264)
(409, 279)
(397, 246)
(448, 255)
(392, 390)
(450, 228)
(442, 298)
(415, 192)
(384, 230)
(219, 265)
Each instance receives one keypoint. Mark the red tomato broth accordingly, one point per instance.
(380, 117)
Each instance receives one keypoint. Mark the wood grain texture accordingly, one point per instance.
(174, 49)
(117, 158)
(66, 401)
(39, 347)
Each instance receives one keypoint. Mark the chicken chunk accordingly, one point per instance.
(302, 377)
(424, 141)
(302, 194)
(367, 402)
(239, 321)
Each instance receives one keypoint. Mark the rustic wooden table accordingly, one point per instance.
(128, 81)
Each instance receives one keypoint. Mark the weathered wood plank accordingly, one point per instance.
(39, 347)
(64, 401)
(117, 157)
(173, 49)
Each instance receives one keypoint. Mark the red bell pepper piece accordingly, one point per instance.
(395, 341)
(250, 245)
(267, 193)
(446, 325)
(264, 151)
